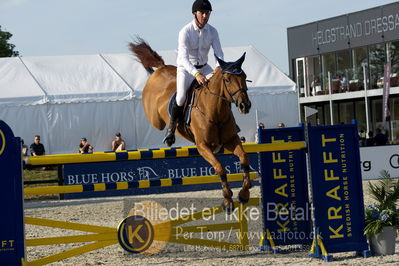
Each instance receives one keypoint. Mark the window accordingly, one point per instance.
(313, 67)
(360, 115)
(312, 119)
(317, 69)
(344, 63)
(320, 115)
(393, 55)
(327, 116)
(377, 59)
(335, 110)
(300, 80)
(394, 110)
(328, 65)
(359, 59)
(346, 113)
(343, 70)
(376, 113)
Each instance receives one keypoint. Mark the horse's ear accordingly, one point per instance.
(222, 63)
(241, 60)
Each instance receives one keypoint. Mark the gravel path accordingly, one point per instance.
(110, 211)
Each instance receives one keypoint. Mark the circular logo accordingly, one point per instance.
(158, 216)
(394, 161)
(2, 142)
(135, 234)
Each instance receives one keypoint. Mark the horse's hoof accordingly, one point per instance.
(228, 206)
(169, 140)
(243, 199)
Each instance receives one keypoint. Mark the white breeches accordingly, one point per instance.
(184, 80)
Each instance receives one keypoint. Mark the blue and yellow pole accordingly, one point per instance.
(30, 191)
(162, 153)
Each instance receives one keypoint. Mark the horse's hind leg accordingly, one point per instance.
(236, 148)
(207, 154)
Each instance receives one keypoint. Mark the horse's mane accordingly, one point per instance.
(144, 53)
(217, 75)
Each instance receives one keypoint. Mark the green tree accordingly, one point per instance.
(6, 48)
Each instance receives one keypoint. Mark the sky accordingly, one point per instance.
(74, 27)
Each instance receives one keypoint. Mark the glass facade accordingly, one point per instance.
(343, 71)
(377, 60)
(360, 115)
(327, 114)
(359, 62)
(301, 78)
(346, 69)
(393, 56)
(314, 75)
(346, 112)
(394, 122)
(344, 75)
(376, 110)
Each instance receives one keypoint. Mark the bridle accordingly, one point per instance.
(232, 100)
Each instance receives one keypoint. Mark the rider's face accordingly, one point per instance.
(202, 17)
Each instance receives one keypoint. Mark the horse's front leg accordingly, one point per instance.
(236, 148)
(207, 154)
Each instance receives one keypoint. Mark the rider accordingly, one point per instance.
(195, 40)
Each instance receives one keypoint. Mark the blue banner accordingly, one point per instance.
(12, 251)
(149, 169)
(337, 187)
(286, 209)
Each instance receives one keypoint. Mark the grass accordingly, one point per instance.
(40, 174)
(37, 174)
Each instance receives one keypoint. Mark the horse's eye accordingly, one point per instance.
(227, 80)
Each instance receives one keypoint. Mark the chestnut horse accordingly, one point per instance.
(212, 123)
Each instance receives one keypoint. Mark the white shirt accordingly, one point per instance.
(194, 44)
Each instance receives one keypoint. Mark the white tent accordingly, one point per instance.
(65, 98)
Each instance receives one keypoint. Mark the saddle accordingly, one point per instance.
(188, 104)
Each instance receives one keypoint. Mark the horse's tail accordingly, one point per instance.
(148, 57)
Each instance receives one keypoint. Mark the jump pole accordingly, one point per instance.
(167, 182)
(152, 154)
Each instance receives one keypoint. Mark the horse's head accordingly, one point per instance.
(234, 83)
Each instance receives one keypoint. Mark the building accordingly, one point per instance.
(338, 65)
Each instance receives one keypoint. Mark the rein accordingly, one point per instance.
(224, 98)
(232, 100)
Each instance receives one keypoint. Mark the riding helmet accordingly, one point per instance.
(202, 5)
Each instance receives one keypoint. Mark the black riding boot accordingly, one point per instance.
(175, 115)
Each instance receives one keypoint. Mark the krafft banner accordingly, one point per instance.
(12, 251)
(286, 209)
(149, 169)
(337, 187)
